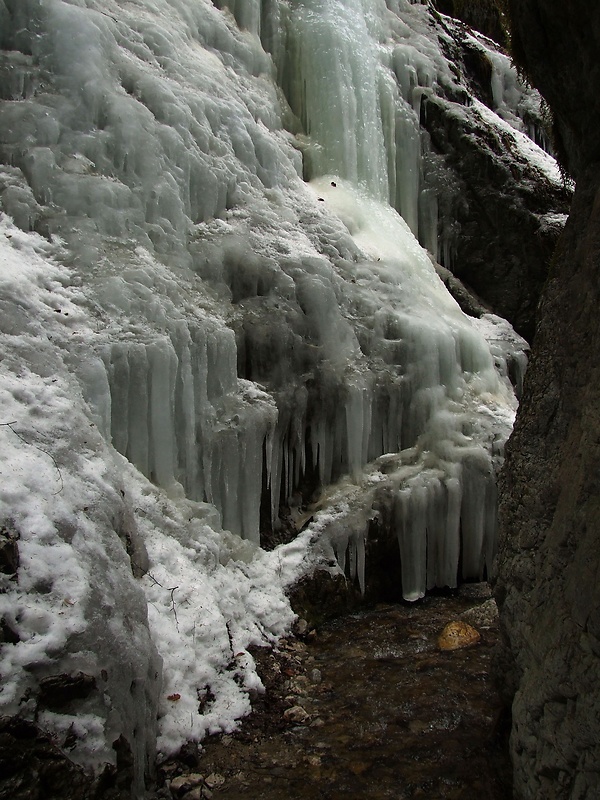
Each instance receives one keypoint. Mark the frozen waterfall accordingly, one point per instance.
(216, 303)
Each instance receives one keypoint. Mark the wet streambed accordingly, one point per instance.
(368, 707)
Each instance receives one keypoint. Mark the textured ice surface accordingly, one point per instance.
(209, 302)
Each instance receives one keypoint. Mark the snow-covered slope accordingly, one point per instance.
(191, 330)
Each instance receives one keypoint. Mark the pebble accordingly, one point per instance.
(214, 779)
(316, 676)
(484, 615)
(186, 782)
(296, 714)
(301, 627)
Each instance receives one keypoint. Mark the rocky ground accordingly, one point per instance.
(365, 706)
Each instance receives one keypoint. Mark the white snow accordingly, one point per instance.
(529, 151)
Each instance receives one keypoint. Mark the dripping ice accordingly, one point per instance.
(228, 300)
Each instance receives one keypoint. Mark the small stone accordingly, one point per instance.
(180, 783)
(296, 714)
(317, 723)
(194, 794)
(206, 793)
(301, 627)
(359, 767)
(299, 684)
(316, 676)
(458, 635)
(484, 615)
(214, 780)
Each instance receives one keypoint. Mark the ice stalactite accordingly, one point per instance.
(180, 416)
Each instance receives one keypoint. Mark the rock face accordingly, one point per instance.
(504, 228)
(483, 15)
(548, 585)
(501, 214)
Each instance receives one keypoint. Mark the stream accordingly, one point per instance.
(368, 706)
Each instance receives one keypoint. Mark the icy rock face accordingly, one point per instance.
(72, 606)
(231, 334)
(495, 193)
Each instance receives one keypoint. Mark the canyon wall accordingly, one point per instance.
(550, 489)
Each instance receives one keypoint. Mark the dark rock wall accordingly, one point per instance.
(483, 15)
(501, 210)
(556, 45)
(549, 565)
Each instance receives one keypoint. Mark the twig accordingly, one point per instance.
(37, 447)
(227, 624)
(172, 591)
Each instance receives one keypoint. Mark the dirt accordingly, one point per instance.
(366, 706)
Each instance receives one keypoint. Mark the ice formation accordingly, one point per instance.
(213, 292)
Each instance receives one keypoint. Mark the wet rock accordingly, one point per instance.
(7, 634)
(483, 616)
(214, 780)
(296, 714)
(9, 551)
(457, 635)
(188, 755)
(299, 684)
(323, 595)
(57, 691)
(184, 783)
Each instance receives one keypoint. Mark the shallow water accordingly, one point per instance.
(389, 714)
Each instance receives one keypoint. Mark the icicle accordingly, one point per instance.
(360, 561)
(411, 516)
(251, 457)
(185, 419)
(138, 444)
(163, 369)
(355, 422)
(119, 379)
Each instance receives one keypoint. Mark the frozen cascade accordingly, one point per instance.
(211, 308)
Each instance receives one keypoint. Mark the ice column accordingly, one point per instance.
(332, 81)
(180, 415)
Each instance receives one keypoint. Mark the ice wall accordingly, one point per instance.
(249, 320)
